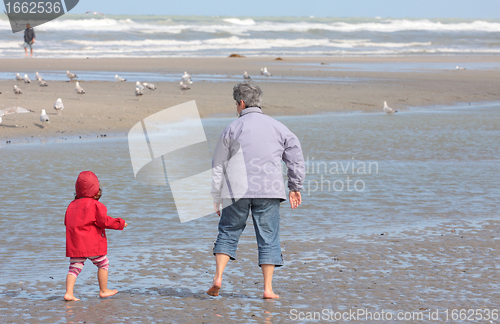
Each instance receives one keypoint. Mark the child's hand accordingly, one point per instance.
(125, 225)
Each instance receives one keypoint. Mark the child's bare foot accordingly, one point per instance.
(214, 290)
(107, 293)
(69, 297)
(270, 295)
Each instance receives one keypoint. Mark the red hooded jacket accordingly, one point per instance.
(86, 220)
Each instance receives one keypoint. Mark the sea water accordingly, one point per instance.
(366, 173)
(72, 36)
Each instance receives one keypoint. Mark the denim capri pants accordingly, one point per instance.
(266, 221)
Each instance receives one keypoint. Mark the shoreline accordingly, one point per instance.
(109, 107)
(57, 137)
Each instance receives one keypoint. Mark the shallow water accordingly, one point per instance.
(171, 77)
(428, 166)
(395, 66)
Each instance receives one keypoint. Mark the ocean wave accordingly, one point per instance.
(244, 26)
(243, 43)
(141, 36)
(145, 53)
(241, 22)
(11, 44)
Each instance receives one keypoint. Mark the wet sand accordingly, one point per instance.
(452, 266)
(110, 107)
(449, 266)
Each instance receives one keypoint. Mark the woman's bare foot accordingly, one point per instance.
(214, 290)
(270, 295)
(69, 297)
(107, 293)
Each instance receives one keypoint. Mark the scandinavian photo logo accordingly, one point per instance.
(35, 13)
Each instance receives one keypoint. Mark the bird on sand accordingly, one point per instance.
(44, 118)
(388, 109)
(183, 86)
(17, 91)
(58, 106)
(186, 78)
(150, 86)
(246, 76)
(13, 110)
(71, 76)
(78, 89)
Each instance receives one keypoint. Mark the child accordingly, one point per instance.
(86, 220)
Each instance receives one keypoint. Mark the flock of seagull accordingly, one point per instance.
(139, 88)
(59, 106)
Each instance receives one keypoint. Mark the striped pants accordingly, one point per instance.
(76, 264)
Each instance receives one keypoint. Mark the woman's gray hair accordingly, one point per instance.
(249, 92)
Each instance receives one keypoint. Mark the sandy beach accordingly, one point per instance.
(422, 238)
(398, 221)
(410, 274)
(112, 108)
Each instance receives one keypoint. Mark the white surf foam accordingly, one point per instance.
(241, 22)
(242, 26)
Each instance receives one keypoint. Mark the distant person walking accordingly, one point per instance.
(29, 39)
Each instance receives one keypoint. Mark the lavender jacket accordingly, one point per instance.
(248, 155)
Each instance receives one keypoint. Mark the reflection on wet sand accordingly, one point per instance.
(421, 235)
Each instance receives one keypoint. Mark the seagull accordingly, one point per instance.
(150, 86)
(42, 83)
(388, 109)
(26, 79)
(138, 91)
(17, 91)
(13, 110)
(58, 106)
(18, 77)
(78, 89)
(119, 79)
(246, 76)
(266, 73)
(139, 85)
(262, 71)
(460, 68)
(71, 76)
(44, 118)
(93, 13)
(183, 86)
(186, 78)
(38, 77)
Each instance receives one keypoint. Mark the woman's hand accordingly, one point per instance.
(295, 199)
(125, 225)
(217, 208)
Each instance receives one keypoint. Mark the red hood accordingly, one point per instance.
(87, 185)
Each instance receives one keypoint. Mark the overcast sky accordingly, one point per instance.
(318, 8)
